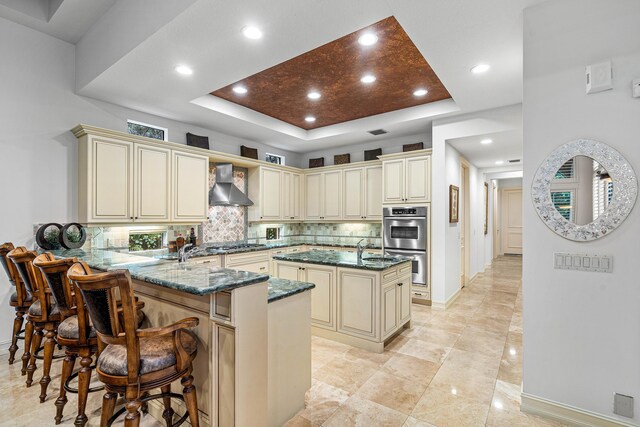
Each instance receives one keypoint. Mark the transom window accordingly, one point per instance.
(145, 129)
(274, 158)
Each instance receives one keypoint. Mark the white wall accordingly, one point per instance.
(38, 155)
(445, 237)
(388, 145)
(581, 330)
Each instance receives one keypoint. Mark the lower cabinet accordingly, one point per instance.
(396, 305)
(358, 302)
(254, 262)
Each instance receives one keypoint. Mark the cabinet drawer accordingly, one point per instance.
(404, 269)
(389, 274)
(261, 267)
(246, 258)
(213, 261)
(221, 307)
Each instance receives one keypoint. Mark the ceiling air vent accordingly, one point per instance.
(377, 132)
(514, 161)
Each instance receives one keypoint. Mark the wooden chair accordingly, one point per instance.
(43, 315)
(136, 361)
(75, 333)
(20, 300)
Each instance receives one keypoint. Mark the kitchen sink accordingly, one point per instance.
(379, 258)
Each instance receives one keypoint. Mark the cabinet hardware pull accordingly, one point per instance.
(400, 284)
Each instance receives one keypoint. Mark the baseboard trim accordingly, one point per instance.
(568, 414)
(443, 305)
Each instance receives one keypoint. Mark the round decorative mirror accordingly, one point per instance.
(584, 190)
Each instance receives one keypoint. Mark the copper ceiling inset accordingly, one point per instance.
(334, 70)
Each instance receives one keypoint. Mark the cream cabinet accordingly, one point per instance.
(396, 305)
(190, 187)
(276, 194)
(122, 182)
(323, 195)
(407, 180)
(254, 262)
(362, 193)
(358, 301)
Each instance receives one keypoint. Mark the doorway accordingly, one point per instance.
(511, 221)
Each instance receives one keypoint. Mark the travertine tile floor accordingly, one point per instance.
(459, 367)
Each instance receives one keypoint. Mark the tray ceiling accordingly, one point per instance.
(334, 70)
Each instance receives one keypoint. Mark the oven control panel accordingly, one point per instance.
(418, 211)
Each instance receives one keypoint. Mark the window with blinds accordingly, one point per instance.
(567, 170)
(602, 190)
(563, 202)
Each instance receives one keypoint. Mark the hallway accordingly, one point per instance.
(459, 367)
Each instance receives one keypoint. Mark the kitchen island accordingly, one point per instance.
(361, 302)
(254, 341)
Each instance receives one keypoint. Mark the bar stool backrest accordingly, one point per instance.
(31, 277)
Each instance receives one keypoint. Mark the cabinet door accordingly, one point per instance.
(271, 191)
(332, 195)
(286, 271)
(323, 296)
(389, 309)
(190, 187)
(418, 177)
(111, 181)
(404, 300)
(313, 194)
(152, 183)
(358, 304)
(393, 181)
(295, 196)
(373, 193)
(286, 195)
(354, 193)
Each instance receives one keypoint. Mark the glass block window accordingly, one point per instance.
(563, 202)
(566, 171)
(144, 129)
(274, 158)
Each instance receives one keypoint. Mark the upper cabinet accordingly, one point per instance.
(275, 194)
(362, 193)
(121, 181)
(406, 179)
(323, 195)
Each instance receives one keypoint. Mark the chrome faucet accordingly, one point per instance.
(360, 249)
(183, 254)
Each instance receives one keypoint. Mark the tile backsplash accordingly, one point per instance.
(226, 223)
(319, 233)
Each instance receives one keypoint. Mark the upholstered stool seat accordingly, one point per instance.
(70, 330)
(14, 297)
(36, 310)
(156, 353)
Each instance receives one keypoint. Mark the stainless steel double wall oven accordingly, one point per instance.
(405, 232)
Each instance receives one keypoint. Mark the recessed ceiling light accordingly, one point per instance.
(252, 33)
(240, 90)
(309, 119)
(367, 39)
(420, 92)
(499, 162)
(486, 141)
(368, 78)
(183, 69)
(480, 68)
(314, 95)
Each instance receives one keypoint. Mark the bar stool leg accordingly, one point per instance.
(108, 406)
(168, 412)
(49, 346)
(132, 419)
(84, 380)
(189, 393)
(35, 345)
(17, 326)
(28, 335)
(67, 369)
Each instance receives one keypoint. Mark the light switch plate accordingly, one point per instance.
(582, 262)
(635, 88)
(599, 77)
(623, 405)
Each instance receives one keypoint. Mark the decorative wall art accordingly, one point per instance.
(486, 208)
(454, 203)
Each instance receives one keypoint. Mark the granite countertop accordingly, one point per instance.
(343, 259)
(197, 279)
(212, 251)
(282, 288)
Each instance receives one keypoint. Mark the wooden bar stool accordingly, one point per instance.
(75, 333)
(136, 361)
(20, 300)
(43, 315)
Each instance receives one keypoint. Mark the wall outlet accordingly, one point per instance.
(623, 405)
(635, 88)
(599, 77)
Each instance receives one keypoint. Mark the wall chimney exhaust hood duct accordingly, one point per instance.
(224, 193)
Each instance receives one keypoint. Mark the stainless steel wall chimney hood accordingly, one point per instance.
(224, 193)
